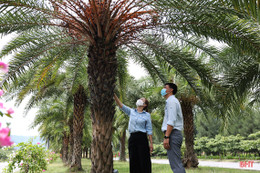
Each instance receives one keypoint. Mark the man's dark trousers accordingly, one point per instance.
(174, 153)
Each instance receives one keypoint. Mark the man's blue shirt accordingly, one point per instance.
(172, 114)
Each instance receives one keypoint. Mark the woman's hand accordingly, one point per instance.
(151, 143)
(118, 102)
(151, 148)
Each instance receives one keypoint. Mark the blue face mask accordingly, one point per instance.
(163, 92)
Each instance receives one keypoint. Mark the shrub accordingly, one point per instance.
(51, 156)
(230, 145)
(159, 150)
(29, 158)
(5, 152)
(3, 155)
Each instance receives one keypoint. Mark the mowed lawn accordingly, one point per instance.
(123, 167)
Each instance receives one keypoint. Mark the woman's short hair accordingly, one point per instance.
(146, 107)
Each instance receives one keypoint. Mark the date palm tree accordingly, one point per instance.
(44, 80)
(53, 124)
(106, 25)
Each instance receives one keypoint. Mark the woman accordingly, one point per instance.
(139, 127)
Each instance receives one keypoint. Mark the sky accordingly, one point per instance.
(20, 123)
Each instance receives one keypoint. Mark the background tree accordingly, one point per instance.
(245, 123)
(53, 120)
(44, 79)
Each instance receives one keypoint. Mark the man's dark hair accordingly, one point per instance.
(173, 86)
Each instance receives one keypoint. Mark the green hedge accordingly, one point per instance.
(226, 147)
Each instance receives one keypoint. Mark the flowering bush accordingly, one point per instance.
(3, 67)
(4, 137)
(4, 132)
(5, 152)
(29, 158)
(51, 156)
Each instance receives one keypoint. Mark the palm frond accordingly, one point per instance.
(203, 19)
(148, 62)
(183, 61)
(21, 15)
(251, 8)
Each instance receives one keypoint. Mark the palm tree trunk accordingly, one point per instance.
(85, 152)
(65, 147)
(122, 147)
(80, 101)
(190, 157)
(61, 151)
(71, 141)
(48, 143)
(102, 78)
(90, 153)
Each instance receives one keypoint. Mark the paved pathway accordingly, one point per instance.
(221, 164)
(4, 165)
(210, 163)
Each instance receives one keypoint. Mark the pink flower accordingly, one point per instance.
(10, 111)
(1, 92)
(4, 67)
(5, 139)
(21, 164)
(43, 170)
(38, 143)
(1, 105)
(50, 158)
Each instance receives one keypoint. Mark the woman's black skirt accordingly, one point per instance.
(139, 153)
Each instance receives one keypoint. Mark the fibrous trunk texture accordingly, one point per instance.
(190, 158)
(71, 141)
(102, 78)
(65, 147)
(80, 101)
(122, 147)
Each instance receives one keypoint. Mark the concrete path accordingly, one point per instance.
(221, 164)
(235, 165)
(4, 165)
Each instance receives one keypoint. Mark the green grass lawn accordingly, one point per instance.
(123, 167)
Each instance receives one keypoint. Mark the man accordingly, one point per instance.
(172, 127)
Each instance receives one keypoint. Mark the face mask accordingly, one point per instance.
(139, 102)
(163, 92)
